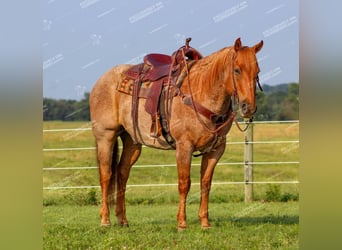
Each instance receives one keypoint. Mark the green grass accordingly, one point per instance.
(71, 216)
(234, 226)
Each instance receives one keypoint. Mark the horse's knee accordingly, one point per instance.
(184, 184)
(105, 178)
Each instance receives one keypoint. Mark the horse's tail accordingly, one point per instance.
(114, 167)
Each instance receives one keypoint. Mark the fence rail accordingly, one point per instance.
(89, 128)
(176, 184)
(227, 143)
(174, 165)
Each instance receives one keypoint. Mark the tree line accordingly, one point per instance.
(66, 110)
(276, 103)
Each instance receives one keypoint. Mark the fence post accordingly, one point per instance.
(248, 159)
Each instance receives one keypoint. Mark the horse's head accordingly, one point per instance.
(245, 71)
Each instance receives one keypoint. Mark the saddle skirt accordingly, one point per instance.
(126, 86)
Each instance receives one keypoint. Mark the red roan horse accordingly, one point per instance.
(214, 82)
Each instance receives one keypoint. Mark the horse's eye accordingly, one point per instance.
(237, 71)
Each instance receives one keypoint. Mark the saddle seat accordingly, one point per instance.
(157, 60)
(156, 66)
(160, 66)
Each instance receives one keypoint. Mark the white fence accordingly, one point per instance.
(246, 182)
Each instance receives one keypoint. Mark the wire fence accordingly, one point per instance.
(173, 165)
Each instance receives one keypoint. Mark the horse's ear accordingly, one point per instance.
(258, 46)
(237, 44)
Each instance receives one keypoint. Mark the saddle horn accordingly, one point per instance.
(187, 41)
(190, 52)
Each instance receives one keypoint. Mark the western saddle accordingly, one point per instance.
(162, 71)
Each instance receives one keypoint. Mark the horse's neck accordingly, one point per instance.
(211, 80)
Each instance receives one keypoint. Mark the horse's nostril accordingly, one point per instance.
(244, 108)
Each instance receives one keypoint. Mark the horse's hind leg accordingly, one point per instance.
(183, 155)
(105, 142)
(129, 156)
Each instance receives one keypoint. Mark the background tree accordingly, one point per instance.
(66, 110)
(279, 102)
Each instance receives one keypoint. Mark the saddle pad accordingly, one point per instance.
(126, 86)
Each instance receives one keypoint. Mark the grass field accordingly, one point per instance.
(71, 216)
(235, 226)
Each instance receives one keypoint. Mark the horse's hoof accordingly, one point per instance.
(105, 224)
(206, 227)
(124, 224)
(181, 227)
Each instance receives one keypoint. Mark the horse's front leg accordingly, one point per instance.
(209, 161)
(183, 155)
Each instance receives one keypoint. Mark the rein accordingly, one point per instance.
(245, 128)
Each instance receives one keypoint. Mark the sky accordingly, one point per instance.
(83, 39)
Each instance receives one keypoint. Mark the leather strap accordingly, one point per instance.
(135, 100)
(215, 118)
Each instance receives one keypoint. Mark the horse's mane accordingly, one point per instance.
(211, 69)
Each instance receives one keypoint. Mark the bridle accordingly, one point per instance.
(199, 109)
(220, 120)
(235, 97)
